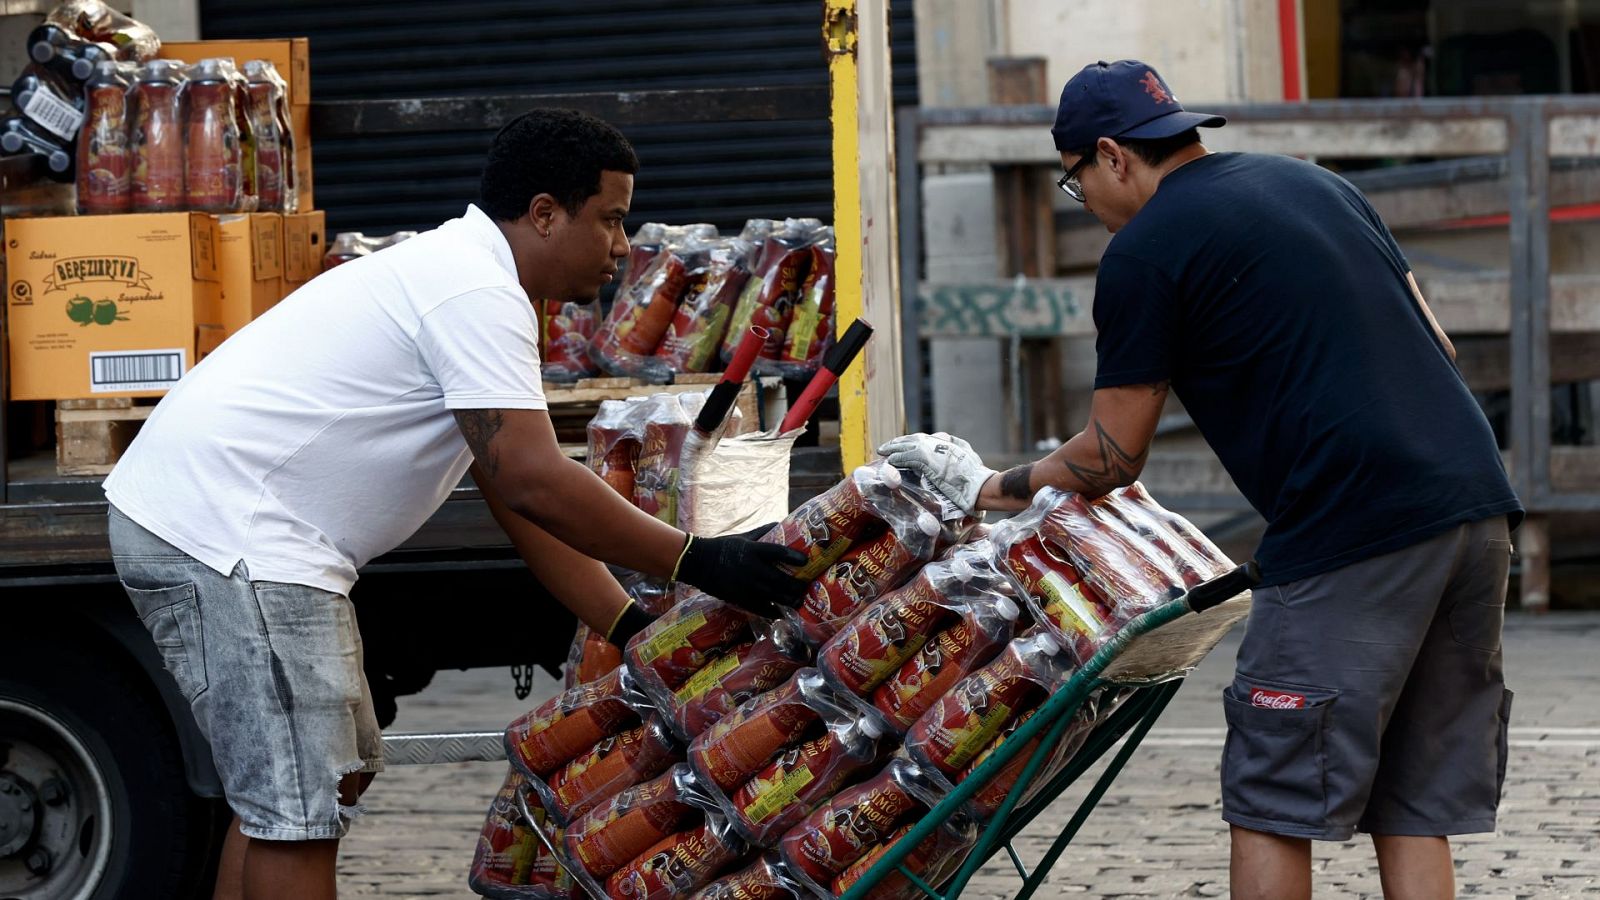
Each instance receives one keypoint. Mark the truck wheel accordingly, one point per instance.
(93, 801)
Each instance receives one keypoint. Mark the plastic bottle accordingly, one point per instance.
(741, 743)
(158, 153)
(849, 824)
(545, 738)
(951, 655)
(265, 105)
(780, 795)
(679, 864)
(614, 763)
(19, 136)
(65, 53)
(607, 837)
(214, 158)
(825, 526)
(730, 680)
(105, 156)
(865, 571)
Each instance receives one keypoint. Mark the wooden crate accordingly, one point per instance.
(91, 435)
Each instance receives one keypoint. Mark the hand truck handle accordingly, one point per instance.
(1204, 596)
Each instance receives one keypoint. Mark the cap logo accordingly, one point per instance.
(1158, 92)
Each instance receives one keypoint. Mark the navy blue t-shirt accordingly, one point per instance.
(1275, 300)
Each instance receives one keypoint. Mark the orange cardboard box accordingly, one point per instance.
(250, 254)
(302, 248)
(110, 306)
(292, 58)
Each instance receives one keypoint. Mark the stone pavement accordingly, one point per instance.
(1157, 833)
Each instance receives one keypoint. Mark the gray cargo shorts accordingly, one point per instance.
(273, 673)
(1371, 698)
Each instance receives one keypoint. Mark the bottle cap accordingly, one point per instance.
(59, 161)
(961, 570)
(892, 479)
(10, 142)
(1007, 608)
(870, 727)
(1047, 644)
(927, 524)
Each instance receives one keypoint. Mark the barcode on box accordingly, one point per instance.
(135, 370)
(62, 119)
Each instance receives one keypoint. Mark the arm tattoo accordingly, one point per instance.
(1018, 482)
(479, 426)
(1117, 466)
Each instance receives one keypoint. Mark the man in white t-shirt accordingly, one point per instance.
(326, 432)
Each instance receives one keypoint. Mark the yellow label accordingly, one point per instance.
(803, 331)
(779, 795)
(989, 725)
(1068, 607)
(672, 637)
(708, 677)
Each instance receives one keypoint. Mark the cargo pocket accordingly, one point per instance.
(1275, 758)
(1503, 745)
(172, 616)
(1477, 618)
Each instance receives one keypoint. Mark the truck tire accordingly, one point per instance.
(93, 801)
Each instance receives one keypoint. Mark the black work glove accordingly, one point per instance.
(738, 569)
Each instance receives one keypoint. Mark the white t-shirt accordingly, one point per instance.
(320, 436)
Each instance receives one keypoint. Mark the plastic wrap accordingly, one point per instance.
(739, 484)
(774, 286)
(615, 434)
(987, 800)
(951, 655)
(345, 246)
(679, 864)
(568, 328)
(616, 762)
(870, 567)
(668, 420)
(267, 108)
(557, 731)
(1135, 495)
(848, 825)
(158, 141)
(744, 741)
(213, 177)
(780, 794)
(934, 860)
(20, 136)
(94, 20)
(1125, 571)
(510, 862)
(826, 526)
(957, 727)
(718, 270)
(1055, 593)
(105, 157)
(669, 651)
(645, 304)
(731, 679)
(65, 53)
(623, 827)
(591, 658)
(54, 105)
(963, 582)
(812, 328)
(763, 879)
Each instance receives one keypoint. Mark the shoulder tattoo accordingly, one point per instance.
(479, 426)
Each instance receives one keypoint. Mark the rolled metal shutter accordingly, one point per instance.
(721, 172)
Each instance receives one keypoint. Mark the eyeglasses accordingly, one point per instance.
(1068, 183)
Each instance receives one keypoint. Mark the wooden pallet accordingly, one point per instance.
(91, 435)
(573, 405)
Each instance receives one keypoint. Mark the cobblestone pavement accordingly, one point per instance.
(1157, 833)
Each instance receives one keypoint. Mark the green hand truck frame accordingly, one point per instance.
(1152, 652)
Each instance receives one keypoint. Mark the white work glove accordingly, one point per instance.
(948, 464)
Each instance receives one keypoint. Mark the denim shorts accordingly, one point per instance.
(273, 673)
(1372, 698)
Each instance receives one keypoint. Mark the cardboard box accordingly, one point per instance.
(250, 254)
(109, 306)
(292, 58)
(303, 248)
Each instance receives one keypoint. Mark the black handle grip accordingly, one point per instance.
(1204, 596)
(718, 404)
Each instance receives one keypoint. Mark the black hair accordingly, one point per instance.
(560, 152)
(1153, 151)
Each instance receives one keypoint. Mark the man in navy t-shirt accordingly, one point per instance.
(1267, 294)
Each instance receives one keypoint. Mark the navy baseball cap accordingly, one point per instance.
(1125, 98)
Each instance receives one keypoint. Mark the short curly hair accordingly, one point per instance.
(560, 152)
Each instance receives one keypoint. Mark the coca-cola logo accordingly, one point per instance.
(1265, 699)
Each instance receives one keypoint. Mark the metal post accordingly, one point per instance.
(908, 199)
(1537, 136)
(1520, 165)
